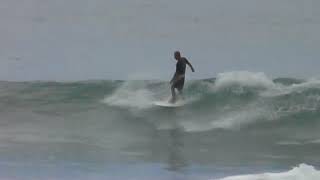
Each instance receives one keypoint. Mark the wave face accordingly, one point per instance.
(237, 117)
(233, 100)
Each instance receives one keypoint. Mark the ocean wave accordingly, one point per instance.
(130, 94)
(230, 101)
(302, 172)
(245, 79)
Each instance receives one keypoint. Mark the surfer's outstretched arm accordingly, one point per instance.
(189, 64)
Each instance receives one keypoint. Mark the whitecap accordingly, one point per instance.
(302, 172)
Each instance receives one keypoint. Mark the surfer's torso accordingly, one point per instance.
(181, 66)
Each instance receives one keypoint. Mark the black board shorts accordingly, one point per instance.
(179, 84)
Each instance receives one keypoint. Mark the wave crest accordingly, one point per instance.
(243, 78)
(302, 172)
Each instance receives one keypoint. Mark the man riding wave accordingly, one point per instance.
(177, 81)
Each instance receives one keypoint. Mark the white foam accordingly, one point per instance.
(236, 119)
(316, 141)
(261, 81)
(191, 126)
(293, 143)
(243, 78)
(302, 172)
(131, 94)
(229, 118)
(280, 90)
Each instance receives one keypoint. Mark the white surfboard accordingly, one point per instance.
(168, 104)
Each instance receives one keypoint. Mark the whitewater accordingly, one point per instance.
(237, 126)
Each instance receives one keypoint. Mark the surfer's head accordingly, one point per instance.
(177, 55)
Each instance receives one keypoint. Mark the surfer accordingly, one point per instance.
(177, 80)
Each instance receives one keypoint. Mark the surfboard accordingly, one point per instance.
(168, 104)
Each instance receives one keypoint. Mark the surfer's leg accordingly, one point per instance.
(180, 94)
(173, 92)
(180, 86)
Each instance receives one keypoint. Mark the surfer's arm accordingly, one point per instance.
(189, 64)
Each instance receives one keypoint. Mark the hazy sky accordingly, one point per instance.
(129, 39)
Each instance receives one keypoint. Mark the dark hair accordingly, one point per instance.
(177, 53)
